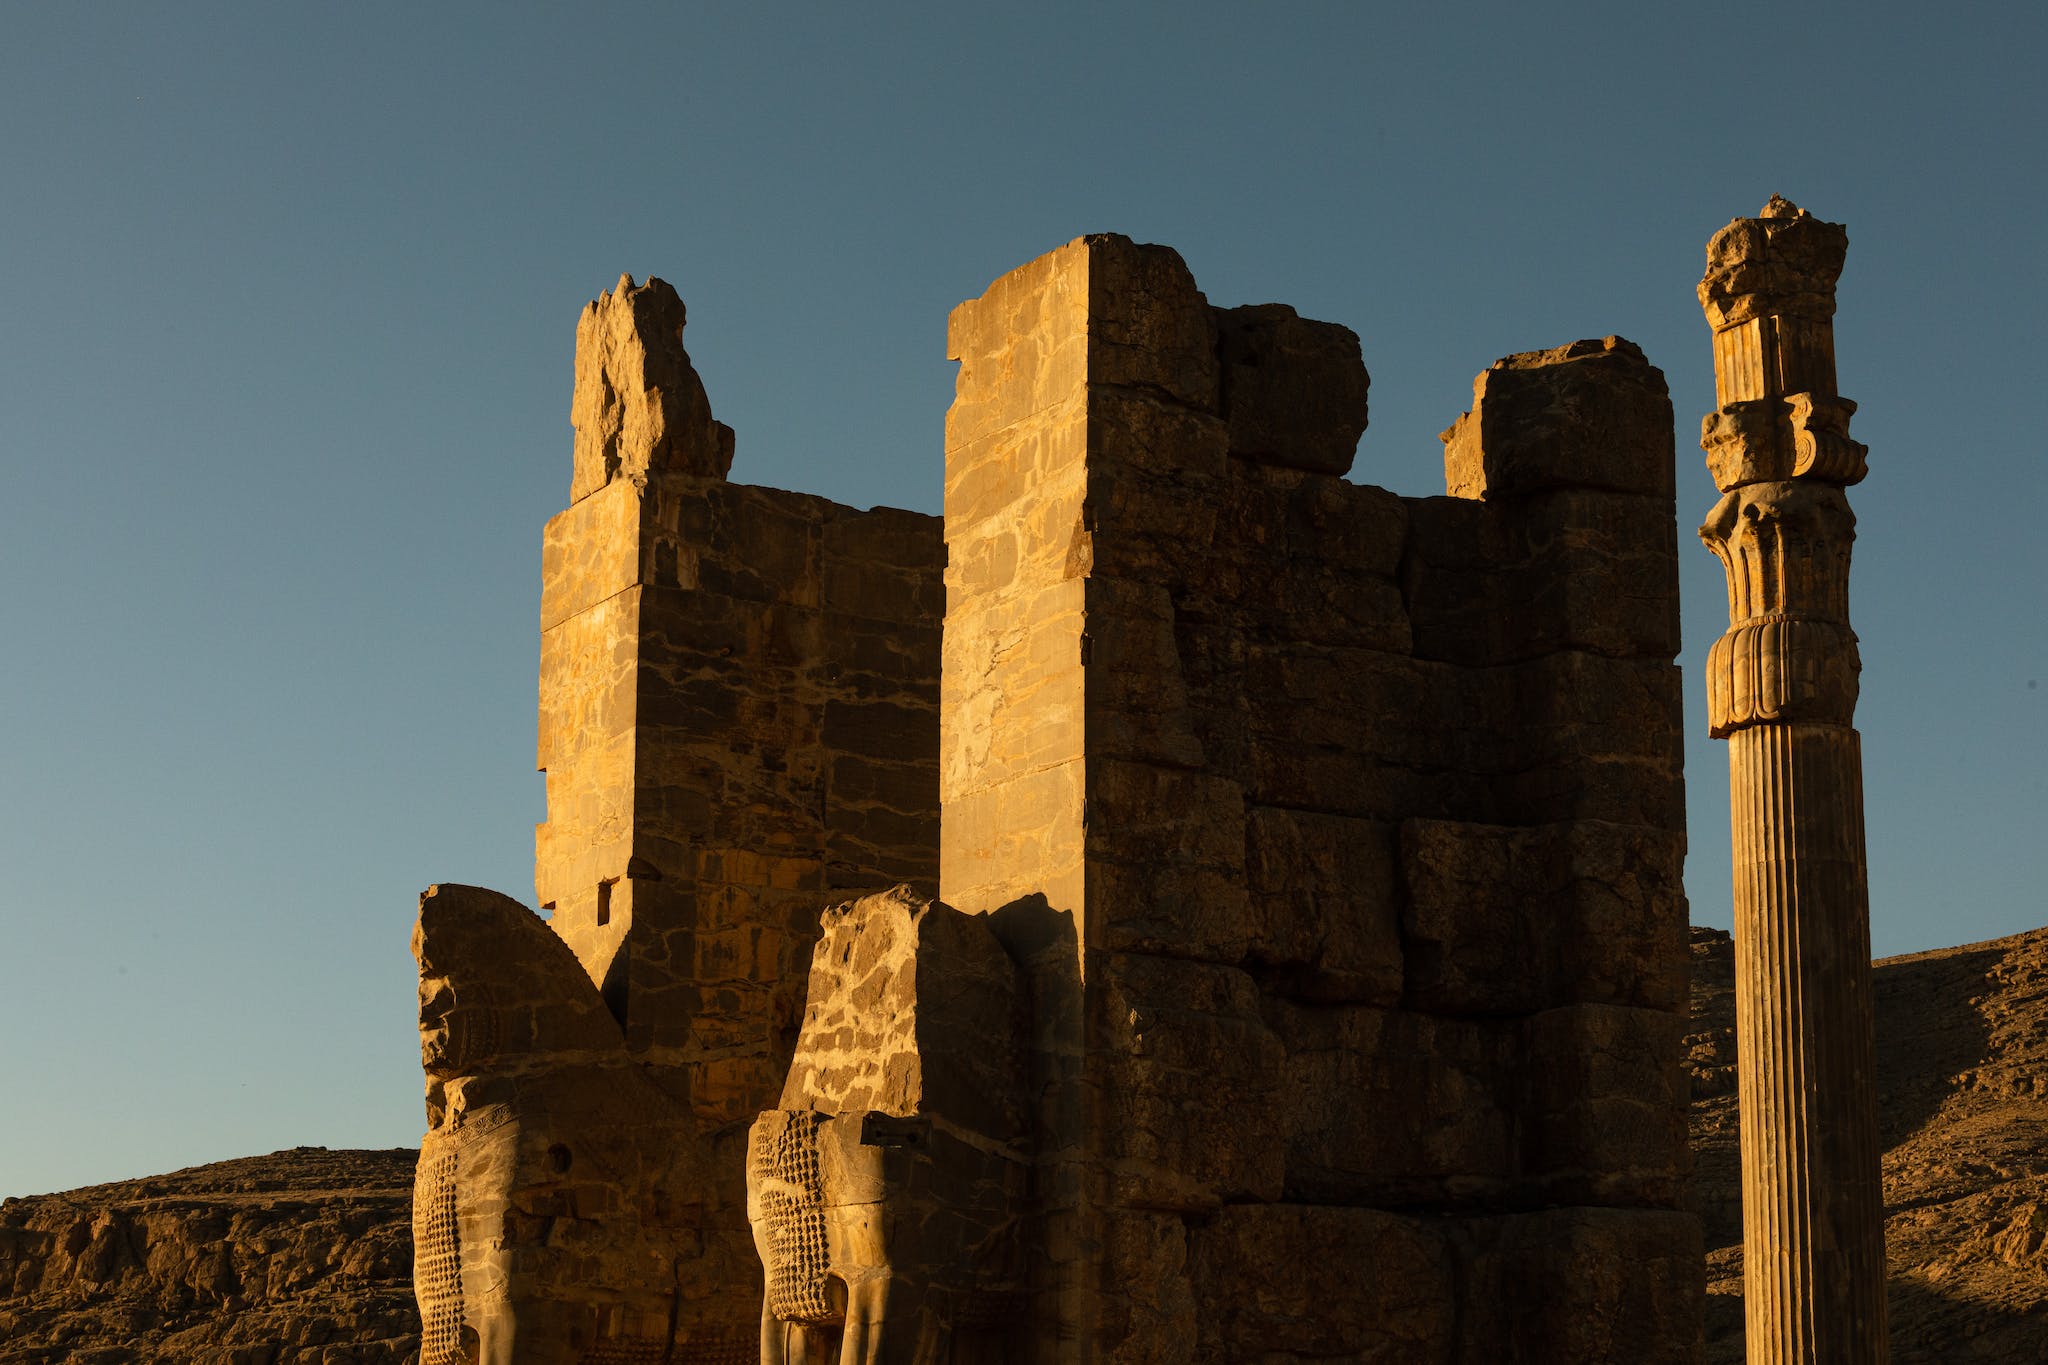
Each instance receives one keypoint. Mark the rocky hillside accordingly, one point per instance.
(304, 1257)
(1962, 1054)
(297, 1258)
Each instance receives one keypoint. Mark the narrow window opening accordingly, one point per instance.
(604, 902)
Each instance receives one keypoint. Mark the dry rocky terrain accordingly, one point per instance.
(1962, 1060)
(296, 1258)
(304, 1257)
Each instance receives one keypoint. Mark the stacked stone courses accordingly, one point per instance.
(737, 714)
(1342, 832)
(1334, 840)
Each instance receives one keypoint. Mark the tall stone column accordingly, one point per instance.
(1781, 688)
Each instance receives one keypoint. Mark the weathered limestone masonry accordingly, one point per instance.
(1340, 833)
(1309, 973)
(1781, 688)
(738, 720)
(737, 714)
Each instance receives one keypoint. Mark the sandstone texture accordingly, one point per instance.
(297, 1258)
(1962, 1050)
(1337, 833)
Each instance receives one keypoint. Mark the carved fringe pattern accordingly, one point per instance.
(793, 1208)
(1813, 1234)
(437, 1260)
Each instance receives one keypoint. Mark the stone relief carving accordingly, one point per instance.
(559, 1189)
(892, 1233)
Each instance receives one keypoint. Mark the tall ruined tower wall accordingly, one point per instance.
(738, 715)
(1342, 833)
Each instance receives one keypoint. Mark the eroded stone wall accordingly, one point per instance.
(738, 722)
(1342, 832)
(738, 712)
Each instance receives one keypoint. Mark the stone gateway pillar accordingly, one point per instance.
(1781, 688)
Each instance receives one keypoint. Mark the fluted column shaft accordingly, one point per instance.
(1781, 688)
(1813, 1221)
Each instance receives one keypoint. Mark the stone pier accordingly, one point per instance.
(1781, 688)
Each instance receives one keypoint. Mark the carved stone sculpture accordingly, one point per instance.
(887, 1193)
(1781, 688)
(559, 1198)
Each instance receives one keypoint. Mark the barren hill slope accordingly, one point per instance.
(1962, 1059)
(304, 1257)
(296, 1258)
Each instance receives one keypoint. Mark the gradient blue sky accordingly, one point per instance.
(287, 308)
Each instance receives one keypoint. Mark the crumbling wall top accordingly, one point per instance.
(639, 406)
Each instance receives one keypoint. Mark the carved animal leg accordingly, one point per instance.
(773, 1344)
(867, 1307)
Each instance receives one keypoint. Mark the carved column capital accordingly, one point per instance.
(1789, 654)
(1793, 436)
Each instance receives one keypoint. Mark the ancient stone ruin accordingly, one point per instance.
(1179, 906)
(1781, 688)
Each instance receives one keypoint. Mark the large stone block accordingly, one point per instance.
(1012, 701)
(884, 565)
(1191, 1082)
(1503, 920)
(1581, 1284)
(1594, 414)
(1137, 696)
(1294, 390)
(1148, 1309)
(1140, 430)
(1325, 905)
(1286, 1283)
(1603, 1106)
(1490, 583)
(1310, 558)
(1149, 327)
(1015, 838)
(1023, 348)
(1165, 849)
(1595, 738)
(1396, 1108)
(590, 551)
(1363, 704)
(1041, 453)
(1147, 525)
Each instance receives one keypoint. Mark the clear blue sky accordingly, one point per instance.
(287, 308)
